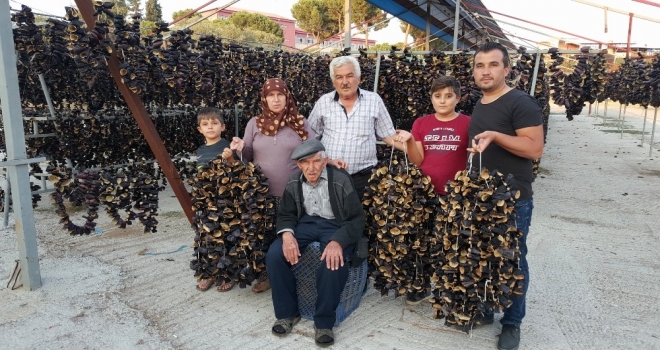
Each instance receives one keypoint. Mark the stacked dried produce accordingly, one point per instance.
(557, 77)
(640, 90)
(460, 67)
(88, 189)
(597, 77)
(233, 221)
(475, 263)
(523, 74)
(398, 203)
(654, 81)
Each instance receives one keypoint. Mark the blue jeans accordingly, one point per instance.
(515, 314)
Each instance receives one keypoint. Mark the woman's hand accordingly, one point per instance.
(237, 144)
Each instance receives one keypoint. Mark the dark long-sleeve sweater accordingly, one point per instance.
(346, 206)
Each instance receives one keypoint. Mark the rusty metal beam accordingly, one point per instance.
(142, 118)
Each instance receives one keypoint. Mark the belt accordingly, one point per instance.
(364, 172)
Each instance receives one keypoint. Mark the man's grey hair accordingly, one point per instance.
(342, 60)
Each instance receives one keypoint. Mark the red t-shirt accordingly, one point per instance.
(445, 147)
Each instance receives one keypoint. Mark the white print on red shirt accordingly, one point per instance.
(442, 139)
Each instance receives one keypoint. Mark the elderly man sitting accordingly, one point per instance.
(319, 204)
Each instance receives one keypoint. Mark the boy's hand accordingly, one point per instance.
(228, 155)
(237, 144)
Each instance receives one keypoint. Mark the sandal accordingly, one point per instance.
(225, 287)
(205, 284)
(285, 325)
(261, 287)
(324, 337)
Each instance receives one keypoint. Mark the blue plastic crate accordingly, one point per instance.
(305, 272)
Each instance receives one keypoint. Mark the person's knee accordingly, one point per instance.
(275, 253)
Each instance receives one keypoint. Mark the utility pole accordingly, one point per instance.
(347, 24)
(457, 17)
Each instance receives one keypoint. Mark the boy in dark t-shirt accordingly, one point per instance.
(211, 125)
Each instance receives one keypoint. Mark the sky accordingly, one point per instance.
(568, 15)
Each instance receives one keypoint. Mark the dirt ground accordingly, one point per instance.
(592, 253)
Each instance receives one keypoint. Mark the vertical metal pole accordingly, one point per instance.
(427, 43)
(377, 72)
(457, 17)
(605, 110)
(47, 95)
(7, 202)
(12, 118)
(629, 32)
(347, 24)
(536, 72)
(618, 122)
(655, 116)
(646, 110)
(623, 120)
(236, 120)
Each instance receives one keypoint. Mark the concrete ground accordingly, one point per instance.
(592, 253)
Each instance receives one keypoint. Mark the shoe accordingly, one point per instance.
(285, 325)
(416, 298)
(324, 337)
(510, 338)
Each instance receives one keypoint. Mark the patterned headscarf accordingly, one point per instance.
(269, 122)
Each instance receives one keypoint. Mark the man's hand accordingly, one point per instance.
(237, 144)
(333, 255)
(290, 247)
(481, 141)
(338, 163)
(402, 136)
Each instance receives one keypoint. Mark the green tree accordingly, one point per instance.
(256, 21)
(225, 30)
(154, 12)
(419, 37)
(146, 26)
(387, 47)
(312, 16)
(120, 8)
(134, 6)
(180, 13)
(335, 11)
(363, 11)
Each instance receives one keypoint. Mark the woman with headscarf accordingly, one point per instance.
(268, 142)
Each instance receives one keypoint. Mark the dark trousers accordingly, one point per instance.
(360, 181)
(329, 284)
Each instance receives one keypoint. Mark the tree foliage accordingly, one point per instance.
(120, 8)
(134, 6)
(225, 30)
(387, 47)
(323, 18)
(256, 21)
(180, 13)
(154, 12)
(312, 16)
(419, 36)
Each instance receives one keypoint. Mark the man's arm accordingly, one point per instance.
(528, 142)
(287, 219)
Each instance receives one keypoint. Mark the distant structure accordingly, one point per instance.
(294, 37)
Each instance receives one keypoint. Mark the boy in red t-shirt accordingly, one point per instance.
(438, 142)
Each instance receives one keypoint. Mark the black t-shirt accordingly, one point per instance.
(510, 112)
(206, 153)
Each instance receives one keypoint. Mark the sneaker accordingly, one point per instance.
(510, 338)
(416, 298)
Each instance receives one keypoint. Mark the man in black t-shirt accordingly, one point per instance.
(507, 128)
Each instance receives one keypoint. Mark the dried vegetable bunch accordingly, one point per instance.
(475, 262)
(233, 222)
(398, 204)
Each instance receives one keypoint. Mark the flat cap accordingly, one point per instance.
(306, 149)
